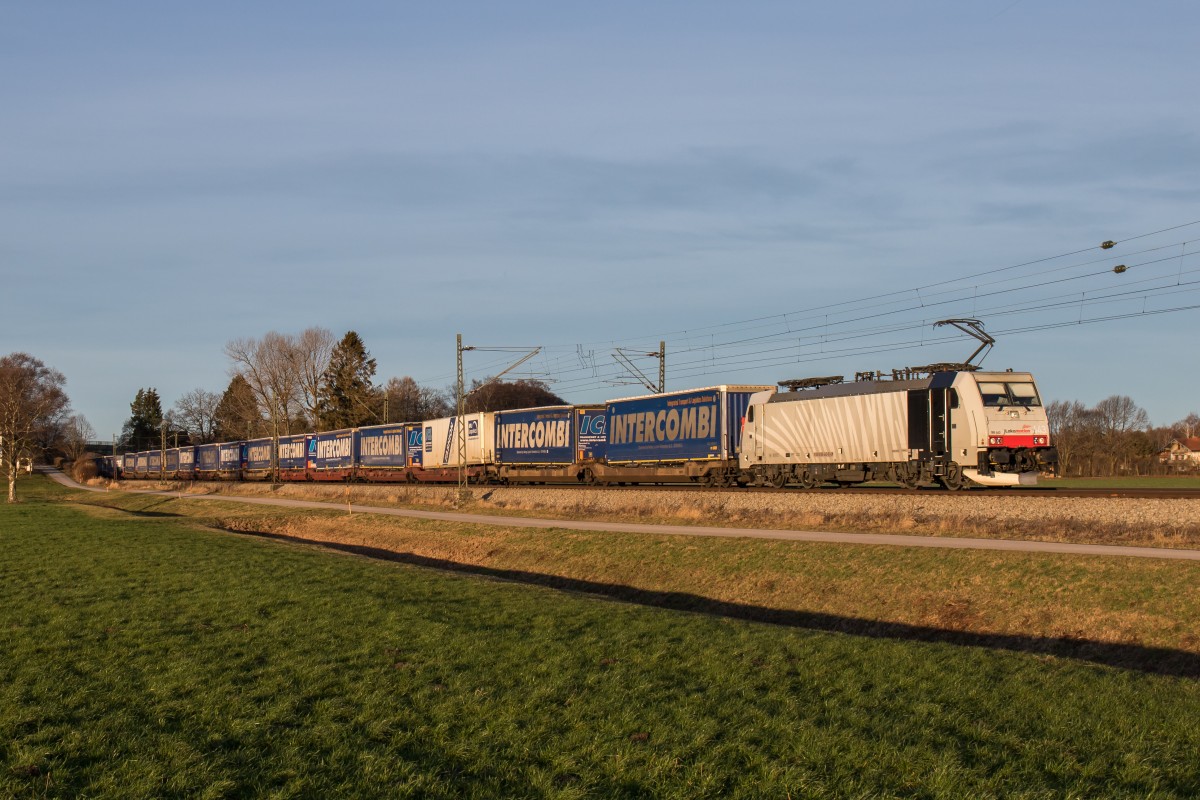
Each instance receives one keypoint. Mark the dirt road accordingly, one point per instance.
(891, 540)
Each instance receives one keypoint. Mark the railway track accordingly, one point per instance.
(877, 491)
(1014, 492)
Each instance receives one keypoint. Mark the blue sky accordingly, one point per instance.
(586, 176)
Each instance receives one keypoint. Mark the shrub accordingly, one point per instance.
(84, 469)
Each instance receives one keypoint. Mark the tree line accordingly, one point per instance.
(293, 383)
(285, 383)
(1113, 437)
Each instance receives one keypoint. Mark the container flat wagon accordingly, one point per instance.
(293, 457)
(537, 445)
(260, 459)
(332, 455)
(382, 454)
(187, 462)
(231, 461)
(676, 437)
(207, 462)
(439, 449)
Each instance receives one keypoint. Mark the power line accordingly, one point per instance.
(895, 293)
(749, 343)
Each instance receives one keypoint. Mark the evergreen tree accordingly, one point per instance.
(238, 415)
(347, 398)
(142, 430)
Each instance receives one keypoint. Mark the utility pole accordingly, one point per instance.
(460, 432)
(625, 359)
(162, 452)
(461, 398)
(662, 366)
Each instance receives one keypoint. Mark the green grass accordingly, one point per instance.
(145, 657)
(1062, 604)
(1147, 482)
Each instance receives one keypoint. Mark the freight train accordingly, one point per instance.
(948, 425)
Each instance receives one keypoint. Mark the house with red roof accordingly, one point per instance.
(1182, 453)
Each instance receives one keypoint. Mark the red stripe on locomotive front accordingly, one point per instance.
(1018, 441)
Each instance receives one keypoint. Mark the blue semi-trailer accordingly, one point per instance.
(691, 436)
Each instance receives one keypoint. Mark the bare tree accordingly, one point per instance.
(1187, 427)
(32, 402)
(1065, 418)
(196, 413)
(265, 365)
(409, 401)
(1118, 419)
(284, 371)
(310, 357)
(77, 432)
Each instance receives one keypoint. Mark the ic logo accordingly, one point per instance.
(593, 425)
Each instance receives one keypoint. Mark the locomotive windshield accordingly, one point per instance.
(1011, 393)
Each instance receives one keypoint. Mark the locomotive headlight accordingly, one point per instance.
(1014, 414)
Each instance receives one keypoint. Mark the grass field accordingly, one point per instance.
(1130, 612)
(144, 656)
(1146, 482)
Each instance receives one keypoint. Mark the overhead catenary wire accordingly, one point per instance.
(709, 355)
(894, 293)
(741, 345)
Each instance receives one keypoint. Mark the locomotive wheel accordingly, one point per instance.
(779, 479)
(953, 479)
(808, 481)
(908, 479)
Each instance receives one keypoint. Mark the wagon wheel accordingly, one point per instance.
(908, 478)
(588, 477)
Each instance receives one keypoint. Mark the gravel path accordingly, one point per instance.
(1152, 514)
(722, 502)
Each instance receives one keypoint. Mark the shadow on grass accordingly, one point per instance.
(1154, 660)
(149, 511)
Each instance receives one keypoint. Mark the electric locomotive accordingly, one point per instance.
(946, 424)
